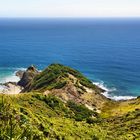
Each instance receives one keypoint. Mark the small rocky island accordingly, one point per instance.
(60, 103)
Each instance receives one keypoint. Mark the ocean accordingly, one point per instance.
(107, 51)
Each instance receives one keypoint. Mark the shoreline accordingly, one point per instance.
(10, 87)
(108, 91)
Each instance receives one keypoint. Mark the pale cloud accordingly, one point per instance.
(70, 8)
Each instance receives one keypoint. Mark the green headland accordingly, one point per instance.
(62, 104)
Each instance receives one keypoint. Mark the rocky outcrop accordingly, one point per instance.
(27, 76)
(20, 73)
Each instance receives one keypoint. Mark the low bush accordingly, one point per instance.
(80, 111)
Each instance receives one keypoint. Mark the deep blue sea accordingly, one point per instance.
(105, 50)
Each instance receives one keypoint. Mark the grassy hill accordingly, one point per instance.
(36, 116)
(56, 76)
(67, 84)
(60, 103)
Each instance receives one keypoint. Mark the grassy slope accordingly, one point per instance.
(37, 116)
(68, 84)
(120, 108)
(56, 76)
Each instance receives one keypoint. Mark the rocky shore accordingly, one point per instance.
(11, 88)
(25, 78)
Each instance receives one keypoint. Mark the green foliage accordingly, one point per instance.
(57, 85)
(35, 116)
(45, 118)
(56, 76)
(91, 120)
(53, 102)
(15, 125)
(71, 110)
(80, 111)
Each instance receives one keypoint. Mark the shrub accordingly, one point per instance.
(80, 111)
(52, 101)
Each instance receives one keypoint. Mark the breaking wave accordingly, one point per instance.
(10, 77)
(109, 92)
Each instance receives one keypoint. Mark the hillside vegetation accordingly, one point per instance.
(34, 116)
(57, 76)
(60, 103)
(67, 84)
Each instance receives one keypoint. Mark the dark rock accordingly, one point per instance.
(20, 73)
(138, 97)
(28, 75)
(7, 84)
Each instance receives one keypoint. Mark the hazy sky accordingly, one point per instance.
(69, 8)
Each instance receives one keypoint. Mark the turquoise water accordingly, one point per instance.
(105, 50)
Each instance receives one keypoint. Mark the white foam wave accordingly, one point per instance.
(118, 98)
(108, 92)
(104, 87)
(12, 77)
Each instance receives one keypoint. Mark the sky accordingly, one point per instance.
(69, 8)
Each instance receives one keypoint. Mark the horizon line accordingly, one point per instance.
(78, 17)
(69, 16)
